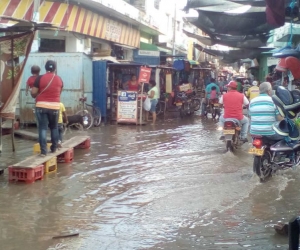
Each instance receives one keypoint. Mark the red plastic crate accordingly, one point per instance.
(28, 175)
(85, 144)
(66, 157)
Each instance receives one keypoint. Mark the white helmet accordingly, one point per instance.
(254, 83)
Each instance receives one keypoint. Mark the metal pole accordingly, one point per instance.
(141, 104)
(174, 29)
(111, 99)
(0, 134)
(13, 135)
(36, 18)
(0, 102)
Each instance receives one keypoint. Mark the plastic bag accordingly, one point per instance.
(147, 104)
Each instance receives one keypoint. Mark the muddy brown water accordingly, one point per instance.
(168, 186)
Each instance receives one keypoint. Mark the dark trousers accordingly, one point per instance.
(47, 117)
(60, 132)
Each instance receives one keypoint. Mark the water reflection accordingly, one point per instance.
(168, 187)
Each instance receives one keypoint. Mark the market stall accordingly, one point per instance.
(126, 93)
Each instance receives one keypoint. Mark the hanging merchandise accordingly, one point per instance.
(293, 64)
(187, 66)
(178, 65)
(168, 83)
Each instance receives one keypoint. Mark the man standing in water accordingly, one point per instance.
(47, 90)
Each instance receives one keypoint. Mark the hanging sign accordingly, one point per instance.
(168, 83)
(145, 74)
(127, 107)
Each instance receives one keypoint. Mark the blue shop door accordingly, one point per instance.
(99, 86)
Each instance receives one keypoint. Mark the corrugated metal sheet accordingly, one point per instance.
(99, 86)
(75, 69)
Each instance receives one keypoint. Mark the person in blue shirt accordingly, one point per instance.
(208, 90)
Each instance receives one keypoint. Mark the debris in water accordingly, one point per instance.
(282, 229)
(65, 235)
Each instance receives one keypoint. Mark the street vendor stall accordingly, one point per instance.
(166, 80)
(126, 92)
(198, 77)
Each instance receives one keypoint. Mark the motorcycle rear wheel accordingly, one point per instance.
(229, 146)
(181, 111)
(262, 166)
(196, 104)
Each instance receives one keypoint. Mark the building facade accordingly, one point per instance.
(105, 28)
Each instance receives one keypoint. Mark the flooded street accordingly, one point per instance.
(170, 186)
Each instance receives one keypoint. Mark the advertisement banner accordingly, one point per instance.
(145, 74)
(127, 107)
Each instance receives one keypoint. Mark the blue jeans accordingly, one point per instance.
(60, 132)
(153, 105)
(244, 122)
(47, 117)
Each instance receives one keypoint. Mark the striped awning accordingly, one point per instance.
(74, 18)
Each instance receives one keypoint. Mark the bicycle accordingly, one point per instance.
(89, 118)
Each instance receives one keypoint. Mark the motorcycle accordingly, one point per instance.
(196, 102)
(231, 132)
(184, 104)
(273, 155)
(213, 108)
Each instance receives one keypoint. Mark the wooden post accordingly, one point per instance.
(0, 104)
(0, 134)
(141, 105)
(13, 135)
(165, 108)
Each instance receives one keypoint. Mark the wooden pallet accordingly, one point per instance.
(36, 160)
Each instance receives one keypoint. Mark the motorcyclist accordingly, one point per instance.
(253, 91)
(239, 86)
(263, 113)
(233, 102)
(208, 90)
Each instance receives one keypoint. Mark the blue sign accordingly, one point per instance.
(127, 96)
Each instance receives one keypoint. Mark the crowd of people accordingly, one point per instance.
(257, 99)
(233, 97)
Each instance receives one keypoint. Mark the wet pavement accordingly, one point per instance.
(169, 186)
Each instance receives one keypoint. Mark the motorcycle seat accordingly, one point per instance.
(236, 121)
(281, 146)
(256, 136)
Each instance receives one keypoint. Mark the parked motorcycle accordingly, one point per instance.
(271, 156)
(231, 132)
(184, 104)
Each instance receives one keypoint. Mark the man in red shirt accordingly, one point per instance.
(35, 71)
(47, 89)
(233, 102)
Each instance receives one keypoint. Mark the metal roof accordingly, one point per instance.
(20, 25)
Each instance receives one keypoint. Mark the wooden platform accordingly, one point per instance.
(36, 160)
(74, 141)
